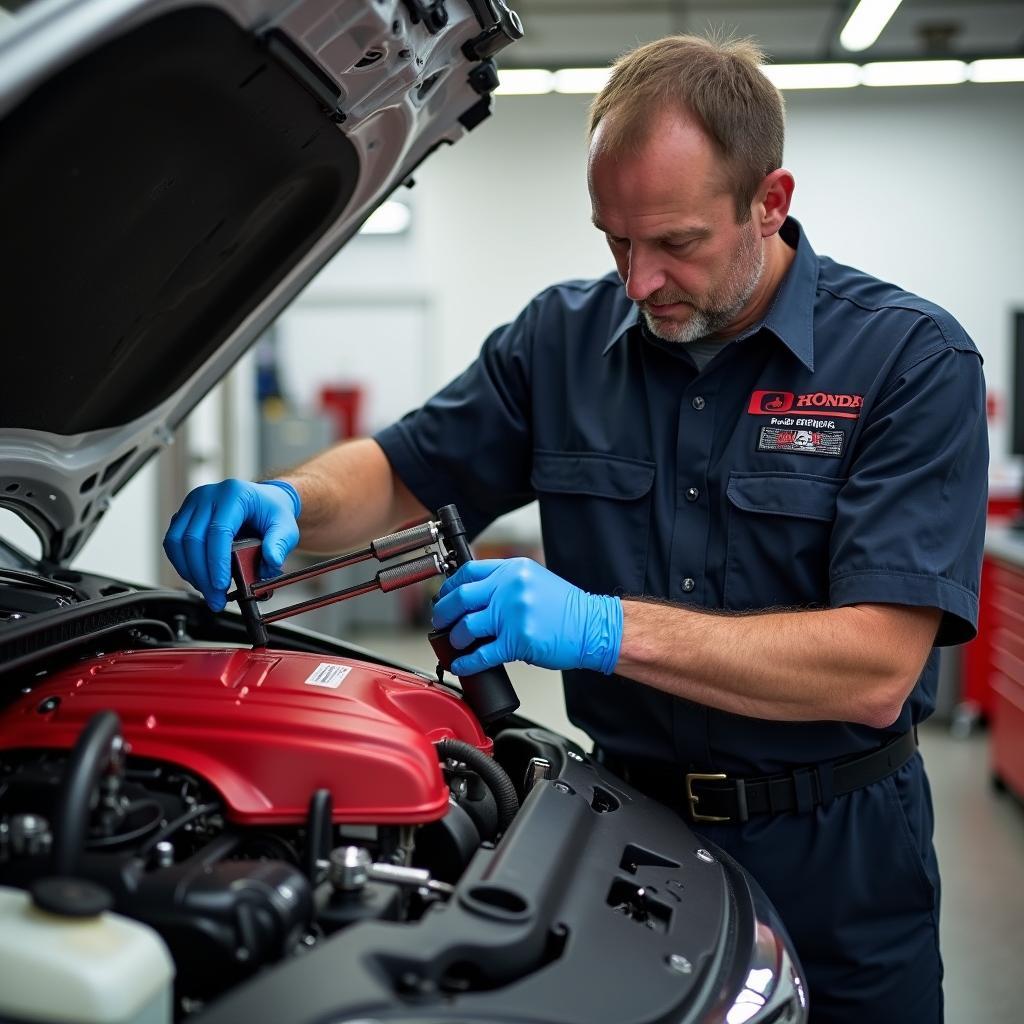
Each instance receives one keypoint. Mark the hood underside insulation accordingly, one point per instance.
(152, 194)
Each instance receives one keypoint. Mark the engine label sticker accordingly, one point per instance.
(328, 675)
(802, 441)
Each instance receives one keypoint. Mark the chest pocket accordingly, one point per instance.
(595, 512)
(778, 532)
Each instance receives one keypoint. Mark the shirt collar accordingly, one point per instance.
(791, 315)
(629, 321)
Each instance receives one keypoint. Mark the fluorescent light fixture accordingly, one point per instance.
(538, 81)
(524, 82)
(390, 218)
(865, 25)
(813, 76)
(581, 80)
(915, 72)
(1009, 69)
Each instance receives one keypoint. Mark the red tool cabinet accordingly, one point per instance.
(1002, 636)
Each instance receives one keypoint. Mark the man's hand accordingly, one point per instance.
(198, 541)
(533, 615)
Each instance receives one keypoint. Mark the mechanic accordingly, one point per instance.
(762, 486)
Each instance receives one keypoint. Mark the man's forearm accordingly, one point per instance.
(854, 664)
(350, 495)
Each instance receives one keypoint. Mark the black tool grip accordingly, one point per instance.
(490, 693)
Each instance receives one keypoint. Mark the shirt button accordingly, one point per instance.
(698, 403)
(692, 494)
(688, 585)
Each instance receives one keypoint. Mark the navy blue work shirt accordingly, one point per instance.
(834, 455)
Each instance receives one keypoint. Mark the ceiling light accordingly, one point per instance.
(524, 82)
(1008, 69)
(538, 81)
(390, 218)
(580, 80)
(813, 76)
(915, 72)
(866, 23)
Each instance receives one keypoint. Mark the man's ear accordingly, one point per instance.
(771, 202)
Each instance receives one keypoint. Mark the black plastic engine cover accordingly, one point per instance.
(573, 917)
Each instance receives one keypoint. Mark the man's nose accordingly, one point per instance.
(644, 276)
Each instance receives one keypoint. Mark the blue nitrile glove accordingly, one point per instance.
(533, 615)
(198, 541)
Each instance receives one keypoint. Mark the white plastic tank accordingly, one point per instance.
(75, 963)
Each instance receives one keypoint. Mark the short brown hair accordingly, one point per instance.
(718, 83)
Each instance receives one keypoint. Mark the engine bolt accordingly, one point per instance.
(29, 835)
(574, 756)
(679, 964)
(562, 787)
(537, 770)
(349, 868)
(705, 856)
(163, 854)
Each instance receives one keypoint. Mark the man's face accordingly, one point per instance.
(670, 222)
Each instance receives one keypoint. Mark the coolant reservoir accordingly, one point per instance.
(74, 963)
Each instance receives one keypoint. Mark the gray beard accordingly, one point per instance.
(725, 306)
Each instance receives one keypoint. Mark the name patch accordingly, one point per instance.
(802, 440)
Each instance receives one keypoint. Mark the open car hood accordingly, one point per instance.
(172, 176)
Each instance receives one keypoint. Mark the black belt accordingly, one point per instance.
(714, 797)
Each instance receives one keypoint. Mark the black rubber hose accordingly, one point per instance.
(318, 833)
(169, 829)
(495, 777)
(90, 757)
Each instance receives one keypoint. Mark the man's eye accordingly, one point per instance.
(680, 247)
(618, 243)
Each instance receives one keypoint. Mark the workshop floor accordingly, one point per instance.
(979, 836)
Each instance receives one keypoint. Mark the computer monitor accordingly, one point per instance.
(1017, 383)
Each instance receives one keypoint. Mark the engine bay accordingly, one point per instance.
(338, 831)
(243, 803)
(310, 831)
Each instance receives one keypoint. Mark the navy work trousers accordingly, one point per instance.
(857, 885)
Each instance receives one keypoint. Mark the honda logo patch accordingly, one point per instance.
(797, 441)
(822, 403)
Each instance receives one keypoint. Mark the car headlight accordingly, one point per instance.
(773, 992)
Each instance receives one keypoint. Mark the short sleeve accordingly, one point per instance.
(910, 520)
(471, 443)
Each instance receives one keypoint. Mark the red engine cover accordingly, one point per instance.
(265, 728)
